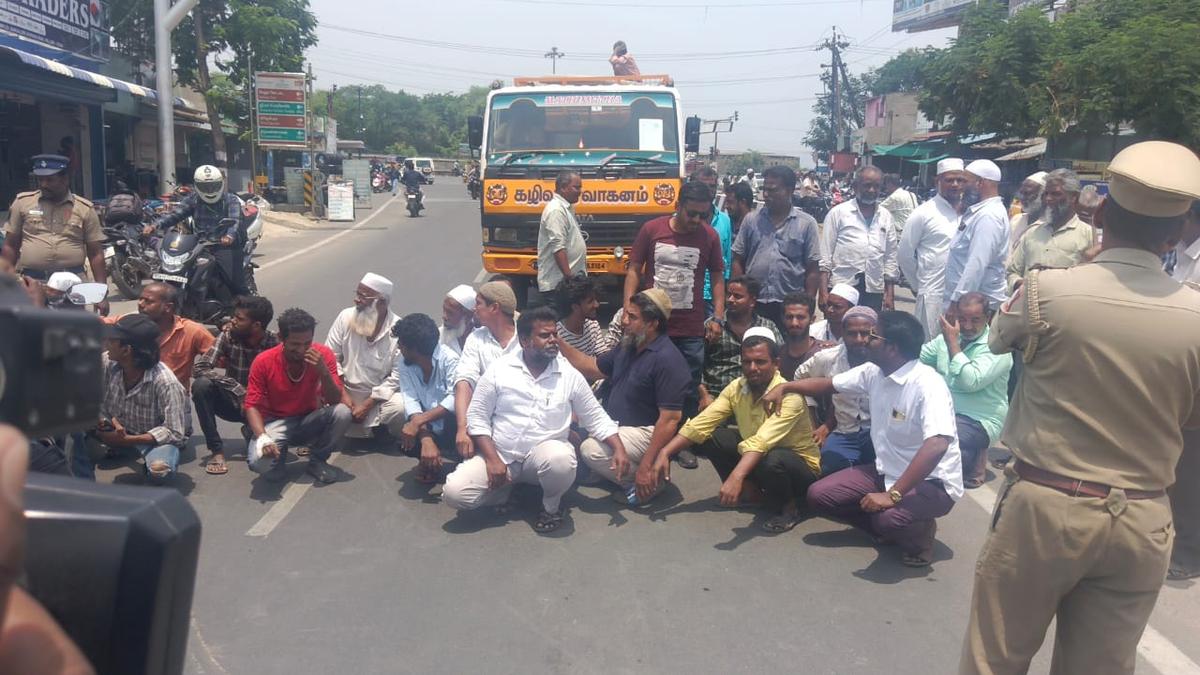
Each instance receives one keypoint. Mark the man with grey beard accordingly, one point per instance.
(362, 342)
(1060, 238)
(648, 379)
(1029, 196)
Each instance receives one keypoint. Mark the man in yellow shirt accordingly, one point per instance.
(773, 459)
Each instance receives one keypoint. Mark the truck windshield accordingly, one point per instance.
(637, 122)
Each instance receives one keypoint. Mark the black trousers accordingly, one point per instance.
(782, 474)
(211, 401)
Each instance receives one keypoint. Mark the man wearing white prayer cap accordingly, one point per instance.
(829, 329)
(361, 339)
(458, 318)
(925, 244)
(980, 246)
(1029, 196)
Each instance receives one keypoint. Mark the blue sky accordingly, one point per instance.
(755, 57)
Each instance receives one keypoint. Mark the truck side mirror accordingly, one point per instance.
(475, 132)
(691, 134)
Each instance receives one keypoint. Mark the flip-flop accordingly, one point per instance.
(781, 523)
(302, 451)
(972, 483)
(547, 522)
(216, 468)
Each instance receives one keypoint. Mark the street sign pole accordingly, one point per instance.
(166, 18)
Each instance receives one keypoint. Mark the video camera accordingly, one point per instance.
(114, 565)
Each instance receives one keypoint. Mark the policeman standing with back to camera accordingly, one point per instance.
(1082, 529)
(53, 229)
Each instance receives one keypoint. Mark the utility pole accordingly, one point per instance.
(837, 73)
(362, 120)
(166, 18)
(253, 116)
(554, 55)
(716, 128)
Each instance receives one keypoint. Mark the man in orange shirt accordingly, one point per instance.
(182, 340)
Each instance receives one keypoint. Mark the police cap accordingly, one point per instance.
(1155, 178)
(49, 165)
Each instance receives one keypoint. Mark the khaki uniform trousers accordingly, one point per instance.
(1096, 564)
(598, 456)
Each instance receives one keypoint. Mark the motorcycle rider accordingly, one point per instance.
(207, 206)
(412, 181)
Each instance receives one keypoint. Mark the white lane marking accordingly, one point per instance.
(327, 240)
(291, 496)
(1155, 648)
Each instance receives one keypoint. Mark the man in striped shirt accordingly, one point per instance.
(577, 305)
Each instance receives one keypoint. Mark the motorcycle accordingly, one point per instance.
(414, 199)
(379, 182)
(129, 259)
(474, 186)
(253, 223)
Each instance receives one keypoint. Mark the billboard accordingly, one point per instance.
(918, 15)
(281, 110)
(76, 26)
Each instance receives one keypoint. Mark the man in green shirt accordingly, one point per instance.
(977, 378)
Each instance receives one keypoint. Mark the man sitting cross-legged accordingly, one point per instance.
(917, 475)
(647, 380)
(772, 454)
(519, 419)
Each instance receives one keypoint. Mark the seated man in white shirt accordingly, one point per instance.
(917, 475)
(458, 318)
(520, 418)
(361, 340)
(839, 300)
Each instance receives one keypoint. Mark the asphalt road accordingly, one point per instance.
(375, 576)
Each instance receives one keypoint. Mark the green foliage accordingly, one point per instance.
(1102, 63)
(736, 165)
(401, 123)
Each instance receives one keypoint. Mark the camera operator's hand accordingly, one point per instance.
(30, 640)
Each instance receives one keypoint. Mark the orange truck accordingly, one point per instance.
(627, 138)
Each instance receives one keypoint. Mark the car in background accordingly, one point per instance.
(425, 166)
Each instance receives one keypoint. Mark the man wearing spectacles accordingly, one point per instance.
(917, 474)
(672, 253)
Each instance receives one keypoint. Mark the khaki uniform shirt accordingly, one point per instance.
(1044, 246)
(54, 235)
(1112, 370)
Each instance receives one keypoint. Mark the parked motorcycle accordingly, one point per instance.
(414, 199)
(129, 258)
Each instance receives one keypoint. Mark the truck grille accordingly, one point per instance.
(598, 231)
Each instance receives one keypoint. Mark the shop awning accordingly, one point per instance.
(929, 160)
(910, 151)
(1032, 152)
(87, 76)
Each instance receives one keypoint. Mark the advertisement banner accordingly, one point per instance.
(76, 26)
(918, 15)
(281, 110)
(633, 196)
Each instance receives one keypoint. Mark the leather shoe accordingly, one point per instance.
(323, 472)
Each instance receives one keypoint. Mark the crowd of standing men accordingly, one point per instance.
(874, 416)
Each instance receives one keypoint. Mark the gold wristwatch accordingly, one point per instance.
(895, 495)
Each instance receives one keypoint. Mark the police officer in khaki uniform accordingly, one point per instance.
(1082, 529)
(52, 229)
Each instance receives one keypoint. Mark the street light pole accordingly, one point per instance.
(554, 55)
(166, 18)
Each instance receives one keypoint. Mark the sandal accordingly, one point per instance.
(302, 451)
(781, 523)
(1000, 462)
(1181, 573)
(216, 467)
(548, 522)
(924, 557)
(972, 483)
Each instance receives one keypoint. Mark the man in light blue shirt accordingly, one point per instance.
(979, 249)
(977, 378)
(721, 223)
(424, 377)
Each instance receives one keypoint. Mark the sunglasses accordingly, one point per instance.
(705, 215)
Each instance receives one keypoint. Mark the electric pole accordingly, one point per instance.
(837, 72)
(554, 55)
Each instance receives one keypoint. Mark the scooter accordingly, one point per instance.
(379, 182)
(414, 199)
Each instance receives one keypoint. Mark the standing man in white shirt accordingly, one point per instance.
(858, 245)
(562, 252)
(520, 418)
(925, 244)
(899, 202)
(495, 305)
(1029, 196)
(1187, 251)
(917, 475)
(980, 248)
(361, 340)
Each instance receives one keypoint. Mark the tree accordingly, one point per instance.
(903, 73)
(736, 165)
(401, 123)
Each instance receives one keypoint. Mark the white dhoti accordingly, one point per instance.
(389, 413)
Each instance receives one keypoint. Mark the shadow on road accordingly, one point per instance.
(886, 568)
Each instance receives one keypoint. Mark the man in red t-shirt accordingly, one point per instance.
(672, 253)
(294, 397)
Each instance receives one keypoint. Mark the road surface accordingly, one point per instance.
(375, 576)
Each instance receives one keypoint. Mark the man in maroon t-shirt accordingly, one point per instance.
(672, 253)
(293, 398)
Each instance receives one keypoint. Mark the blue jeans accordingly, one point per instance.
(82, 465)
(154, 453)
(842, 451)
(692, 349)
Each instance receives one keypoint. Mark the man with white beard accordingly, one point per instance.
(1029, 195)
(362, 342)
(458, 318)
(925, 244)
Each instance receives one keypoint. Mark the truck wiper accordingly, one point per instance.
(520, 155)
(633, 159)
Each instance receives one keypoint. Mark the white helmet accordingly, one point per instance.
(210, 183)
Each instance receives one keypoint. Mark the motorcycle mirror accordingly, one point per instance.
(475, 132)
(691, 134)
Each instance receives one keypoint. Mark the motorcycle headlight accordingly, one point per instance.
(174, 263)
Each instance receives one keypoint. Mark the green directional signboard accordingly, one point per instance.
(281, 110)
